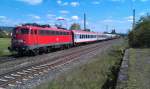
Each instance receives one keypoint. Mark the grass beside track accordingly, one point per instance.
(4, 43)
(94, 75)
(139, 69)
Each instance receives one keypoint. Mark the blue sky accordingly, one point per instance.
(101, 14)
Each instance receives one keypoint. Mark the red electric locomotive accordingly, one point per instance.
(35, 38)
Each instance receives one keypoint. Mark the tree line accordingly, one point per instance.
(140, 34)
(5, 31)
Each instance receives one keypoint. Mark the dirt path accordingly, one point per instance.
(136, 74)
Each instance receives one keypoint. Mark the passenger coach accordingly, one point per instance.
(81, 36)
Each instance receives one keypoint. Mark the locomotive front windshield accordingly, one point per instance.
(21, 31)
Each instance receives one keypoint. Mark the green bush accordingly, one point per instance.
(4, 34)
(140, 35)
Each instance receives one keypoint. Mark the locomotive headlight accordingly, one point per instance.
(20, 41)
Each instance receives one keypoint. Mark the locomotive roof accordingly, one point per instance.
(44, 28)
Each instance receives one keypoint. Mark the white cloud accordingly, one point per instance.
(74, 4)
(113, 21)
(64, 11)
(50, 16)
(34, 16)
(96, 2)
(108, 20)
(118, 0)
(65, 3)
(60, 17)
(142, 13)
(144, 0)
(59, 1)
(32, 2)
(2, 17)
(6, 21)
(140, 0)
(75, 18)
(129, 18)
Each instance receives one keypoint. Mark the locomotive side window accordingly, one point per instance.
(25, 31)
(32, 32)
(48, 32)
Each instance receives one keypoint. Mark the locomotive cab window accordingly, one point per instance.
(22, 31)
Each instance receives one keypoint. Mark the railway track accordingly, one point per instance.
(17, 76)
(6, 59)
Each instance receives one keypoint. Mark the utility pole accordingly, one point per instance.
(84, 21)
(133, 24)
(107, 28)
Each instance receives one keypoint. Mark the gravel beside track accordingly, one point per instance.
(47, 66)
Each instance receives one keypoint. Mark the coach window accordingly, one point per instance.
(32, 32)
(61, 33)
(52, 32)
(44, 32)
(49, 32)
(80, 37)
(58, 33)
(40, 32)
(64, 33)
(67, 33)
(35, 31)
